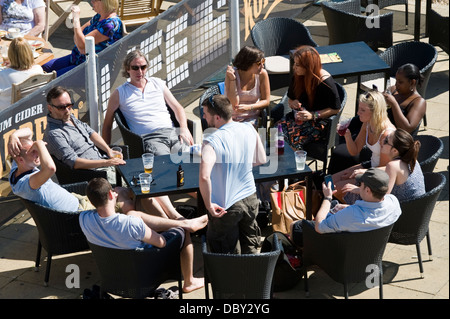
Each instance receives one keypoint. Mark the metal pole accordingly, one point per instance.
(91, 83)
(235, 31)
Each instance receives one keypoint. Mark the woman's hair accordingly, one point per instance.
(110, 5)
(411, 72)
(377, 105)
(407, 148)
(246, 57)
(20, 54)
(129, 58)
(309, 59)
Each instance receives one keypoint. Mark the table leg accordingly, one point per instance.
(417, 21)
(201, 208)
(309, 197)
(357, 94)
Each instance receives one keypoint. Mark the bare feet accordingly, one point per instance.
(194, 224)
(194, 284)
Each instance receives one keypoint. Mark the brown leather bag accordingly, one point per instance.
(288, 206)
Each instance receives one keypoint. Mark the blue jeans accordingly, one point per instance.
(60, 65)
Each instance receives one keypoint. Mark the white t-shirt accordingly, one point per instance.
(20, 16)
(145, 112)
(9, 76)
(232, 174)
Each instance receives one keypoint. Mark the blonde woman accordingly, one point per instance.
(376, 126)
(106, 28)
(21, 66)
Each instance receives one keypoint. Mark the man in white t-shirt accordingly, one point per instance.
(142, 100)
(226, 179)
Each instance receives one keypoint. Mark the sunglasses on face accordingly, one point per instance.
(137, 67)
(62, 107)
(262, 61)
(211, 101)
(386, 141)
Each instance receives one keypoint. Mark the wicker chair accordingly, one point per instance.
(67, 175)
(247, 276)
(413, 224)
(134, 141)
(438, 30)
(319, 150)
(430, 150)
(137, 273)
(59, 231)
(421, 54)
(346, 24)
(276, 37)
(345, 256)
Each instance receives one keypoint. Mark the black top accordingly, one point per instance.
(327, 96)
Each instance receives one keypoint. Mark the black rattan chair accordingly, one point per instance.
(67, 175)
(276, 37)
(438, 30)
(59, 231)
(431, 148)
(345, 256)
(319, 150)
(134, 141)
(421, 54)
(413, 224)
(246, 276)
(346, 24)
(137, 273)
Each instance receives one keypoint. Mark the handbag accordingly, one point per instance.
(288, 206)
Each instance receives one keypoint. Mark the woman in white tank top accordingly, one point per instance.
(372, 111)
(247, 85)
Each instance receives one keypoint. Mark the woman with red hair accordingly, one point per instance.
(312, 96)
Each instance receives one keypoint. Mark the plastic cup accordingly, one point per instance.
(342, 126)
(145, 180)
(300, 159)
(117, 149)
(147, 160)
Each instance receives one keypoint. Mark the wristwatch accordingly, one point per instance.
(330, 199)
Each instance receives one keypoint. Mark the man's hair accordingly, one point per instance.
(219, 105)
(97, 191)
(129, 58)
(56, 92)
(376, 194)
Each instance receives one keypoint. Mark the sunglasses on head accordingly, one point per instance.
(262, 61)
(62, 107)
(137, 67)
(386, 141)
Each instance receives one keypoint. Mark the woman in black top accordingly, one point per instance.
(312, 96)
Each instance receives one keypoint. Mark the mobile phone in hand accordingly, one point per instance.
(328, 179)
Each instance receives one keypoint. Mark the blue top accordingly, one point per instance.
(49, 194)
(363, 216)
(118, 231)
(110, 27)
(232, 174)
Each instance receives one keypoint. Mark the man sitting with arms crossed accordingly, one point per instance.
(34, 184)
(104, 227)
(376, 209)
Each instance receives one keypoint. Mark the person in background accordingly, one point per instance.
(144, 103)
(106, 28)
(226, 179)
(247, 85)
(26, 15)
(21, 66)
(376, 126)
(406, 106)
(406, 180)
(312, 96)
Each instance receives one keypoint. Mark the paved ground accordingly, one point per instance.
(18, 237)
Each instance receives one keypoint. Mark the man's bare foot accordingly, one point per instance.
(194, 224)
(195, 284)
